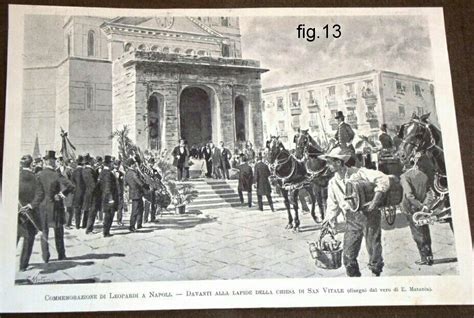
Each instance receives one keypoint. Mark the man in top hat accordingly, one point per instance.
(207, 154)
(344, 136)
(180, 158)
(78, 195)
(119, 177)
(364, 223)
(89, 175)
(226, 156)
(109, 191)
(51, 207)
(136, 188)
(30, 196)
(262, 173)
(245, 180)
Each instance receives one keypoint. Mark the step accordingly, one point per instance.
(217, 195)
(216, 200)
(218, 192)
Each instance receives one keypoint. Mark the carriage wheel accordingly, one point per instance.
(390, 213)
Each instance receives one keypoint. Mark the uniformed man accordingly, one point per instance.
(245, 181)
(262, 173)
(89, 176)
(78, 195)
(52, 208)
(136, 189)
(109, 193)
(365, 223)
(345, 136)
(417, 196)
(30, 196)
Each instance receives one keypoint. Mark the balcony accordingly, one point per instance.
(350, 98)
(369, 96)
(352, 120)
(333, 123)
(296, 108)
(313, 106)
(331, 101)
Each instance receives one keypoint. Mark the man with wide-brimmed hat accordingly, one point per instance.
(364, 223)
(345, 136)
(78, 195)
(56, 187)
(109, 192)
(89, 175)
(29, 196)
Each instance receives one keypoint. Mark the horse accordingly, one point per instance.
(309, 150)
(419, 137)
(292, 176)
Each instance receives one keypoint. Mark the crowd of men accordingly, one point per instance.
(53, 192)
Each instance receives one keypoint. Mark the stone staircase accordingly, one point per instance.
(214, 194)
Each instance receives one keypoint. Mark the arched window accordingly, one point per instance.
(225, 21)
(142, 47)
(166, 50)
(154, 48)
(225, 50)
(201, 53)
(90, 43)
(128, 47)
(177, 50)
(190, 52)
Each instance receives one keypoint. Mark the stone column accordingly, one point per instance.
(256, 123)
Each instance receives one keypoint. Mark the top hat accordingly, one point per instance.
(383, 127)
(26, 160)
(80, 160)
(50, 154)
(87, 159)
(336, 153)
(339, 114)
(107, 159)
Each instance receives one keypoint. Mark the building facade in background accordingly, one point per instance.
(165, 78)
(367, 100)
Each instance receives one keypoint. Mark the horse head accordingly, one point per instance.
(275, 147)
(417, 136)
(302, 143)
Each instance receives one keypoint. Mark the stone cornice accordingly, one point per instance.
(123, 29)
(178, 59)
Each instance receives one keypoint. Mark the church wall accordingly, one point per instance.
(62, 102)
(38, 109)
(90, 114)
(123, 101)
(81, 28)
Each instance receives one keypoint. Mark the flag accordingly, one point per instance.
(36, 150)
(67, 148)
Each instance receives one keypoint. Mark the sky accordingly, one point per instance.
(399, 44)
(393, 43)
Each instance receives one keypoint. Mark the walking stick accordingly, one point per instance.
(23, 210)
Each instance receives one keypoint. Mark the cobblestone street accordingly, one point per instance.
(227, 243)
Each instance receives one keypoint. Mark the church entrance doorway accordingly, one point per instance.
(195, 116)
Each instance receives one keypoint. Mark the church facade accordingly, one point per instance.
(164, 78)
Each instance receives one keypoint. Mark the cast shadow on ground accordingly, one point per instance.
(445, 260)
(53, 267)
(95, 256)
(184, 221)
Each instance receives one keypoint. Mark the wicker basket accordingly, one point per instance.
(326, 259)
